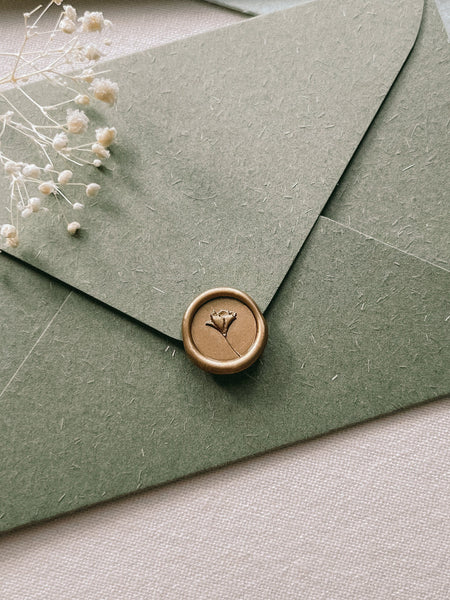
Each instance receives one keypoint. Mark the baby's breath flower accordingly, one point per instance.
(26, 212)
(92, 53)
(12, 168)
(92, 189)
(70, 12)
(73, 227)
(8, 231)
(93, 21)
(105, 90)
(65, 176)
(67, 25)
(105, 135)
(13, 242)
(34, 204)
(50, 62)
(60, 141)
(31, 171)
(77, 121)
(47, 187)
(82, 99)
(87, 75)
(100, 150)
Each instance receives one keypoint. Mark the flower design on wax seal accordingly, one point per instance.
(221, 322)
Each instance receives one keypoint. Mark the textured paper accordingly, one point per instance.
(27, 305)
(396, 188)
(444, 11)
(104, 406)
(258, 7)
(366, 329)
(234, 141)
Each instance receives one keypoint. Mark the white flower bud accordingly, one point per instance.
(87, 75)
(70, 12)
(92, 21)
(73, 227)
(92, 189)
(65, 176)
(105, 90)
(92, 53)
(26, 212)
(60, 141)
(47, 187)
(8, 231)
(11, 167)
(12, 242)
(77, 121)
(78, 206)
(34, 204)
(31, 171)
(100, 150)
(48, 168)
(97, 163)
(82, 99)
(105, 135)
(67, 25)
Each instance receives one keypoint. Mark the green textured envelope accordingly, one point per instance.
(228, 156)
(258, 7)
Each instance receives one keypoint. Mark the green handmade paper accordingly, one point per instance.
(27, 305)
(397, 187)
(258, 7)
(105, 406)
(98, 404)
(231, 144)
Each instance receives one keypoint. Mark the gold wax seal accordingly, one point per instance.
(224, 331)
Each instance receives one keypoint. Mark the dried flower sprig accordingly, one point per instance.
(59, 123)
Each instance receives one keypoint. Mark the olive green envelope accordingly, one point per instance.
(231, 144)
(258, 7)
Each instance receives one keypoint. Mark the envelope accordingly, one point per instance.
(258, 7)
(298, 156)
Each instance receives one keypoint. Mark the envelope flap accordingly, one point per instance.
(230, 144)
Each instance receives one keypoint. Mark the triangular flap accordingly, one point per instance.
(230, 145)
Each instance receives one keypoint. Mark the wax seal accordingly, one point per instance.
(224, 331)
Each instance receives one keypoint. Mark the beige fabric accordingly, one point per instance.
(363, 514)
(358, 515)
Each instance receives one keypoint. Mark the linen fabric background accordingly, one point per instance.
(359, 514)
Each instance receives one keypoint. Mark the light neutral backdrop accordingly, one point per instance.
(362, 514)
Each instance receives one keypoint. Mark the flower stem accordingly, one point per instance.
(235, 351)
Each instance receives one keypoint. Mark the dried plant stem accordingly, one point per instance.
(52, 135)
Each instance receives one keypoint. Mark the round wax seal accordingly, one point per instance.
(224, 331)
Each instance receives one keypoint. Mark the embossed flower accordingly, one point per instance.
(222, 320)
